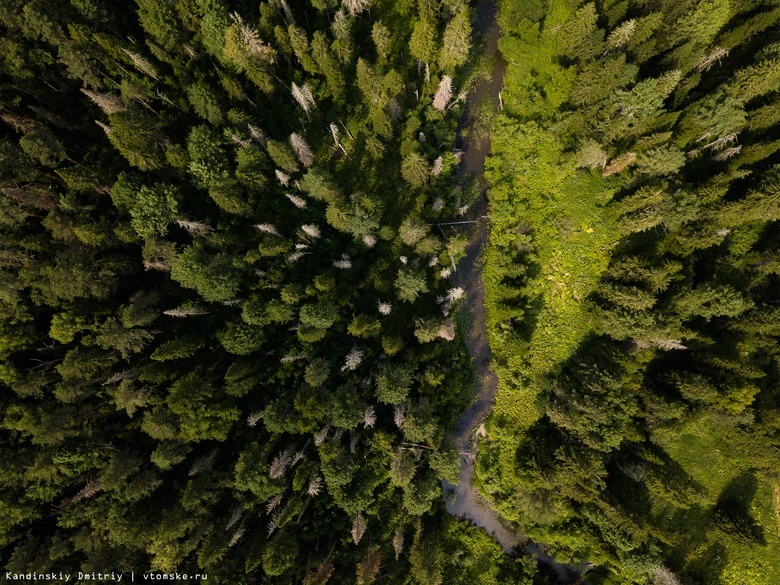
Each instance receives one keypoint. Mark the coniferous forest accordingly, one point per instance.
(239, 243)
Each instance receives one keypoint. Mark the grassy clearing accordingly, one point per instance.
(703, 449)
(539, 196)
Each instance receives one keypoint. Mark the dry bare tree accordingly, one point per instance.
(394, 109)
(353, 359)
(257, 134)
(158, 265)
(663, 576)
(399, 414)
(303, 95)
(311, 230)
(334, 131)
(251, 40)
(398, 541)
(302, 149)
(280, 463)
(202, 464)
(105, 127)
(288, 15)
(234, 518)
(358, 527)
(727, 154)
(369, 417)
(438, 167)
(273, 524)
(196, 229)
(190, 51)
(299, 202)
(443, 94)
(254, 418)
(110, 104)
(186, 311)
(621, 35)
(619, 164)
(355, 7)
(315, 485)
(321, 435)
(93, 487)
(344, 263)
(239, 140)
(236, 536)
(321, 574)
(141, 64)
(267, 228)
(455, 294)
(707, 61)
(447, 330)
(273, 503)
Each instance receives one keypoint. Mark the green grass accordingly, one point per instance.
(698, 448)
(702, 450)
(536, 184)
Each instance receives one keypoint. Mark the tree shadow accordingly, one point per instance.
(732, 511)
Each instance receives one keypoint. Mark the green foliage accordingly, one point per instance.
(456, 42)
(137, 136)
(382, 39)
(415, 170)
(320, 315)
(393, 384)
(208, 161)
(252, 167)
(176, 349)
(282, 155)
(280, 554)
(207, 368)
(211, 274)
(44, 147)
(427, 560)
(159, 20)
(410, 284)
(364, 326)
(422, 44)
(152, 209)
(709, 301)
(317, 372)
(241, 338)
(205, 102)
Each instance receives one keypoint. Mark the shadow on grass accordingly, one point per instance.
(732, 511)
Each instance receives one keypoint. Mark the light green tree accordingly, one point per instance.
(456, 42)
(415, 170)
(410, 284)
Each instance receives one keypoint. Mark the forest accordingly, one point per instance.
(234, 339)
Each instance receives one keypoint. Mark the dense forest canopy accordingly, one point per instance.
(233, 339)
(227, 341)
